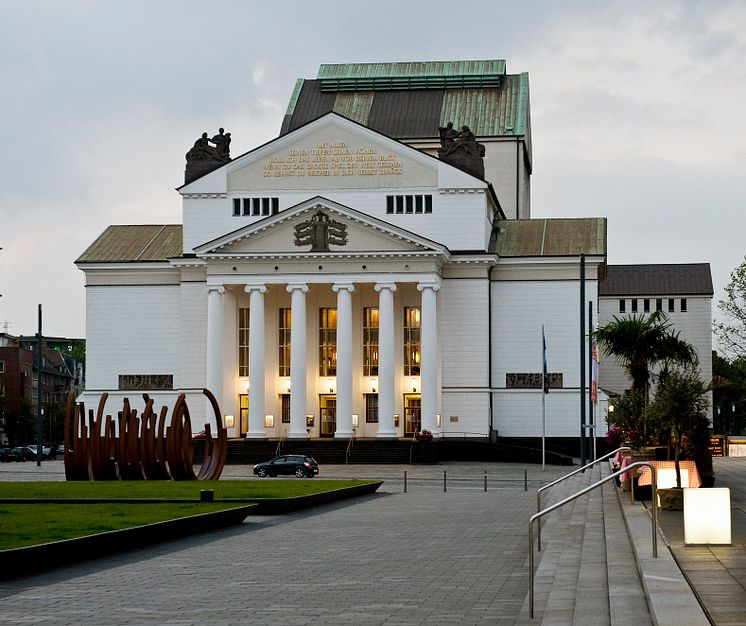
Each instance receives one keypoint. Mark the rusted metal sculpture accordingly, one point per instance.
(143, 448)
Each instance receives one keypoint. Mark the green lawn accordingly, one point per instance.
(37, 523)
(169, 489)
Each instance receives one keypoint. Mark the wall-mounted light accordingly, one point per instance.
(269, 421)
(355, 420)
(373, 384)
(437, 420)
(396, 419)
(309, 420)
(288, 388)
(414, 384)
(332, 385)
(228, 420)
(248, 386)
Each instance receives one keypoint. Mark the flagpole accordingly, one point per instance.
(543, 399)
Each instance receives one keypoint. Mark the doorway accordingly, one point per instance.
(412, 413)
(328, 414)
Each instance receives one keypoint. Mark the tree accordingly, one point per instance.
(640, 342)
(680, 405)
(731, 331)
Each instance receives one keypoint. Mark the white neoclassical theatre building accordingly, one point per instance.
(344, 278)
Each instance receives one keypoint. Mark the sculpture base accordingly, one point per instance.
(195, 169)
(470, 163)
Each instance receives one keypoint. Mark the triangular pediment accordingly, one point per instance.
(331, 152)
(320, 226)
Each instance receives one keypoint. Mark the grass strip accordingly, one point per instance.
(166, 489)
(25, 525)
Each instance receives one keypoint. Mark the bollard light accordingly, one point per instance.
(707, 516)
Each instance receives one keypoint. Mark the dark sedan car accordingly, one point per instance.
(291, 465)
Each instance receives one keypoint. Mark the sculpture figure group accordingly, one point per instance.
(452, 140)
(203, 151)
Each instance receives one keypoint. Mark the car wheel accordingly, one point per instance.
(299, 472)
(261, 472)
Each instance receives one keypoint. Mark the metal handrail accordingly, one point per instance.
(538, 515)
(283, 434)
(348, 452)
(565, 477)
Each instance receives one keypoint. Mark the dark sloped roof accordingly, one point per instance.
(657, 280)
(410, 100)
(552, 237)
(123, 243)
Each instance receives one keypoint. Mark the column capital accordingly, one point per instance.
(390, 286)
(336, 287)
(260, 287)
(303, 287)
(216, 288)
(435, 286)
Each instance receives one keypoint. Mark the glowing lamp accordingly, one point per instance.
(707, 516)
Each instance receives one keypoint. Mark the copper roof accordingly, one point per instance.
(410, 100)
(126, 243)
(544, 237)
(657, 280)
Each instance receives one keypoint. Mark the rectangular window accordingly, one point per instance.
(247, 206)
(2, 367)
(285, 408)
(659, 304)
(265, 206)
(646, 305)
(284, 342)
(371, 408)
(236, 207)
(243, 413)
(683, 305)
(256, 206)
(634, 305)
(275, 206)
(411, 341)
(409, 203)
(327, 342)
(622, 306)
(243, 342)
(671, 302)
(370, 341)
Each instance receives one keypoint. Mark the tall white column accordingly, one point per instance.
(386, 344)
(429, 355)
(344, 359)
(297, 360)
(257, 390)
(215, 342)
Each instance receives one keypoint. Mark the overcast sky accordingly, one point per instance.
(637, 109)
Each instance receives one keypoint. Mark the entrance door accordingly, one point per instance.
(328, 414)
(412, 413)
(243, 413)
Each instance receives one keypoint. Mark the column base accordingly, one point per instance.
(298, 435)
(256, 435)
(386, 435)
(342, 434)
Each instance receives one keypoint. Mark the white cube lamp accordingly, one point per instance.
(707, 516)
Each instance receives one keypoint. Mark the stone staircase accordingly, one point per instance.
(587, 572)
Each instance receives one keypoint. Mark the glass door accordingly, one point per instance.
(328, 413)
(243, 413)
(412, 413)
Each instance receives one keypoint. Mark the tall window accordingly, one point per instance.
(622, 306)
(634, 305)
(284, 343)
(243, 342)
(285, 408)
(371, 408)
(327, 342)
(411, 341)
(683, 305)
(243, 412)
(370, 341)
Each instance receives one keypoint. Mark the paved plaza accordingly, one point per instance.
(427, 556)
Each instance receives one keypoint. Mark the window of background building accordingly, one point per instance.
(622, 306)
(411, 341)
(683, 305)
(284, 342)
(2, 367)
(285, 408)
(370, 341)
(327, 342)
(659, 304)
(646, 305)
(371, 408)
(243, 342)
(671, 305)
(634, 305)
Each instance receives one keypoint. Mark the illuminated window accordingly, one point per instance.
(243, 413)
(327, 342)
(371, 408)
(243, 342)
(284, 343)
(412, 341)
(370, 341)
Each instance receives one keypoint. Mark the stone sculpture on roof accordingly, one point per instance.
(204, 158)
(461, 149)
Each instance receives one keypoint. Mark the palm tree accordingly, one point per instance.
(640, 342)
